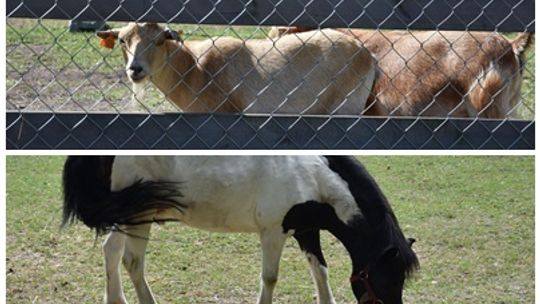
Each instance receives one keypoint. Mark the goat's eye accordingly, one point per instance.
(122, 41)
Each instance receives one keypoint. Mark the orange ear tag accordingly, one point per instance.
(107, 42)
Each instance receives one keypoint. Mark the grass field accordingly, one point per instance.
(49, 68)
(473, 218)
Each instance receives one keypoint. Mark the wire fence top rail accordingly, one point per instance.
(229, 131)
(505, 16)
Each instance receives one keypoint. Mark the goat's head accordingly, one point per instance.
(142, 46)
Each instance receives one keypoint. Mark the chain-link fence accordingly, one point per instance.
(270, 74)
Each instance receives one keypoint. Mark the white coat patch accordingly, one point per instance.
(240, 193)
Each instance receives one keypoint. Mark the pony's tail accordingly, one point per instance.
(88, 196)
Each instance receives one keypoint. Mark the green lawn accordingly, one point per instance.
(473, 218)
(49, 68)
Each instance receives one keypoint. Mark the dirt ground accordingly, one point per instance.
(40, 87)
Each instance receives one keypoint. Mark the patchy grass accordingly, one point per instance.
(49, 68)
(473, 218)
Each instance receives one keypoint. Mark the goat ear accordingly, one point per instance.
(110, 34)
(167, 34)
(108, 38)
(173, 35)
(521, 43)
(411, 241)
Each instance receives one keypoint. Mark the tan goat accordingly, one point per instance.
(320, 72)
(460, 74)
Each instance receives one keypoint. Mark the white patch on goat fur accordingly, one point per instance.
(138, 94)
(482, 75)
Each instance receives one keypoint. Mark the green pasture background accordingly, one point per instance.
(473, 218)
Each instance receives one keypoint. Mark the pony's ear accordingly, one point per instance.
(411, 241)
(390, 254)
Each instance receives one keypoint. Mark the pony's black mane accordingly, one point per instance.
(376, 210)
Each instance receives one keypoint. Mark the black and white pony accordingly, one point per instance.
(274, 196)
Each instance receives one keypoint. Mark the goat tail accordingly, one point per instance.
(521, 43)
(88, 196)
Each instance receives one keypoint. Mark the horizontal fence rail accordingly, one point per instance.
(65, 92)
(221, 131)
(504, 16)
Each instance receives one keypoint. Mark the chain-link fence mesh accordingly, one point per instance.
(302, 85)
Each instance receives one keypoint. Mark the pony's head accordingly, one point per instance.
(382, 257)
(381, 278)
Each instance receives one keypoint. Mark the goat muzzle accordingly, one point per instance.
(136, 73)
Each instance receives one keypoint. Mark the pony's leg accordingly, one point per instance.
(272, 245)
(133, 261)
(310, 243)
(113, 248)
